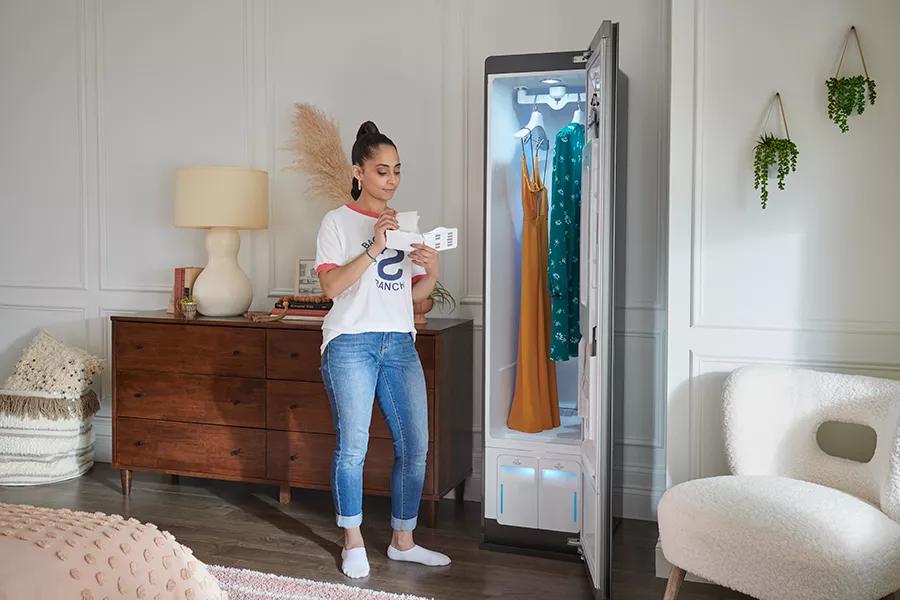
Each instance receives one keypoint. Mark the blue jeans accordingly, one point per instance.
(357, 368)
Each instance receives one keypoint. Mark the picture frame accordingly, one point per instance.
(306, 282)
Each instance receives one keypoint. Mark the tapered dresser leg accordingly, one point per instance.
(284, 494)
(125, 475)
(460, 492)
(431, 512)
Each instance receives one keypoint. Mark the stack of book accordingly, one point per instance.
(182, 287)
(304, 308)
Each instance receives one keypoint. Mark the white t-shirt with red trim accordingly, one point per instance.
(381, 300)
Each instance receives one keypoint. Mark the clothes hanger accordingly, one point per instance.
(578, 117)
(535, 154)
(536, 120)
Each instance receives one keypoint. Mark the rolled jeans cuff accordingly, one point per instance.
(349, 522)
(403, 524)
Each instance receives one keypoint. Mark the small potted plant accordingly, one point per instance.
(188, 307)
(440, 296)
(849, 94)
(771, 150)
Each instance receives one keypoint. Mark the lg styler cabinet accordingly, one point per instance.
(550, 491)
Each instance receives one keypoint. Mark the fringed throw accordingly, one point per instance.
(55, 409)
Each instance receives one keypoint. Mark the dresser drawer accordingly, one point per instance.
(305, 458)
(187, 447)
(293, 355)
(195, 349)
(191, 398)
(301, 406)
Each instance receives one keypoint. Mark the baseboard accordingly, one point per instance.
(663, 567)
(102, 439)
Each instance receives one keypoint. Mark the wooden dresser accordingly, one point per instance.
(231, 399)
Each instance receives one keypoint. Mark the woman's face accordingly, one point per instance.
(380, 174)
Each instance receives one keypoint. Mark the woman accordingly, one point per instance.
(368, 349)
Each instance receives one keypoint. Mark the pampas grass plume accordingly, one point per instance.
(318, 153)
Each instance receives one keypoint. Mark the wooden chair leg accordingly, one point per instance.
(676, 577)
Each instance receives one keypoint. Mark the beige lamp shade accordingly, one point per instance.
(222, 197)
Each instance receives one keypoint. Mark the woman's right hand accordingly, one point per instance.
(386, 220)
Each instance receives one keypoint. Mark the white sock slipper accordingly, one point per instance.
(418, 554)
(356, 563)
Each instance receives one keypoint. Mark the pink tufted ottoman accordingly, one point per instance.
(55, 554)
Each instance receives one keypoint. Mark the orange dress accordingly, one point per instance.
(535, 404)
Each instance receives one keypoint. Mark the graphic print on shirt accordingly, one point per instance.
(388, 281)
(381, 300)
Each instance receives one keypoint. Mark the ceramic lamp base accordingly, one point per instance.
(222, 289)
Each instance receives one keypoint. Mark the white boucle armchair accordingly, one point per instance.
(793, 522)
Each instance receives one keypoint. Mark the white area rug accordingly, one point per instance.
(244, 584)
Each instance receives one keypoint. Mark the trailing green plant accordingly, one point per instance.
(443, 298)
(846, 94)
(771, 150)
(187, 300)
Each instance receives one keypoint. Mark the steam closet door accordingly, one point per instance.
(596, 298)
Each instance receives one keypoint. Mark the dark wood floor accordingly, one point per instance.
(242, 525)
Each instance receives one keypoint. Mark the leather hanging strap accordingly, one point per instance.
(844, 51)
(777, 99)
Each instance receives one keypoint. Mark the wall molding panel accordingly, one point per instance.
(76, 190)
(774, 287)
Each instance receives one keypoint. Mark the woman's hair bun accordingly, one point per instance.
(366, 128)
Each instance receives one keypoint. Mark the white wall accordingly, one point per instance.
(102, 100)
(811, 280)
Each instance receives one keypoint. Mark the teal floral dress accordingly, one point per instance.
(565, 212)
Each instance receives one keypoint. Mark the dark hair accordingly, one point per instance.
(367, 139)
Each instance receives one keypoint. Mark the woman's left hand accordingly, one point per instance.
(427, 258)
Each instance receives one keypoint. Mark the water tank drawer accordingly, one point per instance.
(559, 495)
(517, 491)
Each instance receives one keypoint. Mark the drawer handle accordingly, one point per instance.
(235, 401)
(236, 353)
(139, 346)
(293, 457)
(235, 452)
(292, 407)
(294, 354)
(139, 394)
(139, 443)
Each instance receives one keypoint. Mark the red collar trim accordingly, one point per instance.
(362, 211)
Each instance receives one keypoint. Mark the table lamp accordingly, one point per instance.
(222, 200)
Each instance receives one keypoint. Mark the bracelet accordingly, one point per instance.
(372, 258)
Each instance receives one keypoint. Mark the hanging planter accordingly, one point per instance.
(772, 150)
(846, 94)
